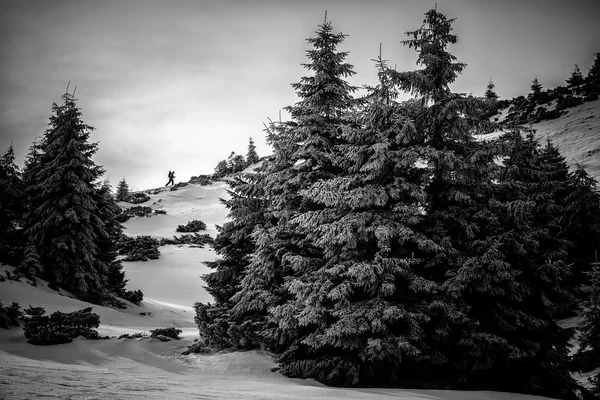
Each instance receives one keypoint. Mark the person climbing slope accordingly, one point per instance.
(171, 178)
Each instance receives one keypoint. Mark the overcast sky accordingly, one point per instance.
(178, 85)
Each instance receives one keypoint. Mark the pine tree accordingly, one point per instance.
(356, 314)
(234, 244)
(593, 76)
(11, 194)
(581, 224)
(64, 210)
(252, 155)
(30, 266)
(524, 344)
(108, 239)
(458, 191)
(589, 339)
(576, 78)
(123, 193)
(492, 99)
(490, 94)
(302, 156)
(536, 88)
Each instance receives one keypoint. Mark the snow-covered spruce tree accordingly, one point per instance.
(11, 194)
(576, 78)
(64, 209)
(514, 288)
(492, 100)
(355, 312)
(107, 242)
(30, 266)
(536, 88)
(456, 210)
(122, 191)
(593, 75)
(252, 155)
(234, 244)
(581, 225)
(490, 94)
(590, 326)
(302, 156)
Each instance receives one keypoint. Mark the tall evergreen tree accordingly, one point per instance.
(492, 99)
(576, 78)
(593, 76)
(234, 244)
(590, 327)
(357, 314)
(581, 224)
(11, 194)
(458, 190)
(107, 241)
(490, 94)
(65, 211)
(302, 156)
(252, 155)
(536, 88)
(123, 193)
(523, 344)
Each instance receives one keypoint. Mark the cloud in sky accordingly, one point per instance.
(180, 84)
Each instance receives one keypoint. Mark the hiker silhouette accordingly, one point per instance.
(171, 178)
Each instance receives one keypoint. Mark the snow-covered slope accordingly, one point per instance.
(148, 368)
(577, 135)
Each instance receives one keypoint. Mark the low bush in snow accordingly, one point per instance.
(192, 226)
(138, 197)
(136, 335)
(137, 211)
(193, 239)
(134, 296)
(140, 248)
(172, 333)
(202, 180)
(41, 329)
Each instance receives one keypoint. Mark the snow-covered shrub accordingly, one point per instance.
(194, 239)
(140, 248)
(138, 197)
(134, 296)
(168, 332)
(41, 329)
(192, 226)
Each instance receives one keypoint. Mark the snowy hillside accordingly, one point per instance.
(148, 368)
(577, 135)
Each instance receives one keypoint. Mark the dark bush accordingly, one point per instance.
(138, 197)
(59, 327)
(140, 248)
(136, 335)
(568, 102)
(202, 180)
(195, 239)
(591, 97)
(168, 332)
(192, 226)
(10, 315)
(139, 211)
(134, 296)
